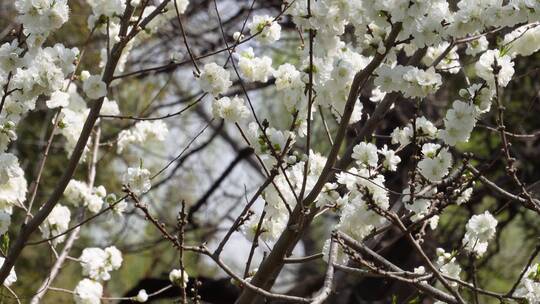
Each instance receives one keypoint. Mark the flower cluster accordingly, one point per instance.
(12, 183)
(272, 139)
(424, 130)
(79, 193)
(289, 86)
(88, 292)
(420, 206)
(230, 109)
(366, 199)
(449, 63)
(42, 17)
(266, 29)
(179, 277)
(357, 220)
(365, 155)
(448, 265)
(254, 68)
(458, 123)
(93, 86)
(494, 65)
(333, 78)
(143, 133)
(73, 114)
(351, 36)
(529, 286)
(523, 41)
(480, 230)
(435, 163)
(280, 196)
(56, 223)
(214, 79)
(97, 263)
(411, 81)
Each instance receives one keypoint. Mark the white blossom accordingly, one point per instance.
(425, 130)
(109, 107)
(391, 160)
(371, 185)
(88, 292)
(503, 63)
(7, 133)
(436, 162)
(79, 193)
(409, 80)
(465, 196)
(9, 56)
(138, 180)
(480, 229)
(39, 75)
(271, 227)
(58, 99)
(277, 214)
(365, 154)
(420, 206)
(13, 185)
(142, 296)
(459, 123)
(63, 57)
(523, 41)
(277, 138)
(287, 77)
(477, 46)
(449, 63)
(108, 8)
(358, 220)
(480, 95)
(377, 94)
(402, 136)
(56, 223)
(448, 265)
(529, 286)
(72, 119)
(94, 87)
(214, 79)
(114, 257)
(42, 16)
(97, 263)
(179, 277)
(144, 132)
(254, 68)
(266, 29)
(230, 109)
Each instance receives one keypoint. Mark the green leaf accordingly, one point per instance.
(415, 300)
(4, 243)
